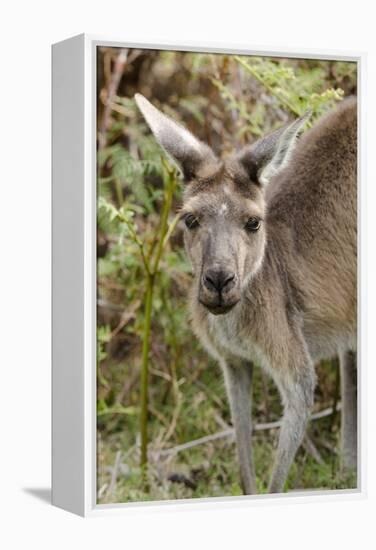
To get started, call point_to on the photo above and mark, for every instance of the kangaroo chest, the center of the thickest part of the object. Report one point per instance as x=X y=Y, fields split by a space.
x=228 y=333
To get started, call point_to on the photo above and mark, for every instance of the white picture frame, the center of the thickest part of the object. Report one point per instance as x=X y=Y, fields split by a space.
x=74 y=277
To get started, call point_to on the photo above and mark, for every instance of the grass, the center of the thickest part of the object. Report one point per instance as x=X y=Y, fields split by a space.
x=211 y=470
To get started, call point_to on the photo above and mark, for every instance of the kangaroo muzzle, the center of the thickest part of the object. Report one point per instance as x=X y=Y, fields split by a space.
x=219 y=290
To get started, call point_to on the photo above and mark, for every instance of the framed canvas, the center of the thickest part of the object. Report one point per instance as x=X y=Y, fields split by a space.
x=208 y=284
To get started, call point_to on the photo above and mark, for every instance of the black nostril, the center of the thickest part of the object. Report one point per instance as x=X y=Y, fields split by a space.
x=218 y=280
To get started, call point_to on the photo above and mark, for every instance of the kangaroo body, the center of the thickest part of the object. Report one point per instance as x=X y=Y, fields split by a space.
x=272 y=236
x=308 y=274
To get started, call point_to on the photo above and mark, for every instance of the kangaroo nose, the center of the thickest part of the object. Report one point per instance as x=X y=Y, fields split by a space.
x=219 y=280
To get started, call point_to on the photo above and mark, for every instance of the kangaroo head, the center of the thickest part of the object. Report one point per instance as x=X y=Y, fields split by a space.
x=224 y=207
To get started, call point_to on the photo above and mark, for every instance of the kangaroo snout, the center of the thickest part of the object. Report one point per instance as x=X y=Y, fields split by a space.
x=219 y=290
x=219 y=280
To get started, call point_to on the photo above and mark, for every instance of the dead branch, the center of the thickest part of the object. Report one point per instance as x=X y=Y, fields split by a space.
x=312 y=450
x=108 y=305
x=120 y=62
x=230 y=433
x=114 y=474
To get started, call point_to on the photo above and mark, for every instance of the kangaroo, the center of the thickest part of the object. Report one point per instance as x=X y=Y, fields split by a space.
x=271 y=233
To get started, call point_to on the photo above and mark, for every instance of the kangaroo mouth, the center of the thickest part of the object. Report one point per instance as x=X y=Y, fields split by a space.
x=220 y=308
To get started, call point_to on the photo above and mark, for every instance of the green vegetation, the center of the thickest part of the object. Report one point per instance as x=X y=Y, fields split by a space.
x=157 y=388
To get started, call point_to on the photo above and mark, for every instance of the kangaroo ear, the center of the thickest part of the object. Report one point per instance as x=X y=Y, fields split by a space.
x=269 y=155
x=178 y=142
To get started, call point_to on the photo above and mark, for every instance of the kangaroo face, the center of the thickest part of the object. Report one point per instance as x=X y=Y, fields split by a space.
x=224 y=209
x=224 y=235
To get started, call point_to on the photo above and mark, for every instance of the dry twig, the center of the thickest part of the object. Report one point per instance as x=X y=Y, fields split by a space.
x=311 y=449
x=114 y=474
x=230 y=433
x=116 y=75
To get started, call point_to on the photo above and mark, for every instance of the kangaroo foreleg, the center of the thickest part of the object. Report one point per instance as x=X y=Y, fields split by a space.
x=297 y=390
x=238 y=380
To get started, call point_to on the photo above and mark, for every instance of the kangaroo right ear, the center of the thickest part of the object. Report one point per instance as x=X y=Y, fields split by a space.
x=178 y=142
x=269 y=155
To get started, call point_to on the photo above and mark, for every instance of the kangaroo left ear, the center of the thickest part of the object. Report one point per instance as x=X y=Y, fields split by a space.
x=269 y=155
x=188 y=152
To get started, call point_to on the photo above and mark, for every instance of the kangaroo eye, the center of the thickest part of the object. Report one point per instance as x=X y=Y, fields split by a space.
x=191 y=221
x=253 y=224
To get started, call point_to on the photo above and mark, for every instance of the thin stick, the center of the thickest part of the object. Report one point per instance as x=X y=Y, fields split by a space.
x=145 y=378
x=170 y=188
x=136 y=240
x=230 y=432
x=170 y=230
x=152 y=268
x=120 y=63
x=311 y=449
x=114 y=473
x=102 y=490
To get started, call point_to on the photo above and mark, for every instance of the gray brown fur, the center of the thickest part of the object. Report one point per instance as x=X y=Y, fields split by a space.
x=282 y=296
